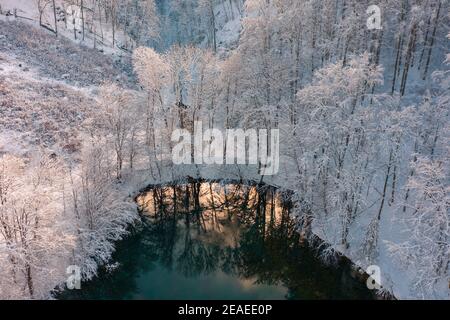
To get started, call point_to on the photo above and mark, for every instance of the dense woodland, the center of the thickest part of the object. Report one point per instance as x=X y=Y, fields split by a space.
x=363 y=118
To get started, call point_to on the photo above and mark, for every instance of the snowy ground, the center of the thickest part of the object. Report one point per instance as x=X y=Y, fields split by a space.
x=61 y=59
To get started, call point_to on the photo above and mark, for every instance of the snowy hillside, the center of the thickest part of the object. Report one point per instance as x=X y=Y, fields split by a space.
x=48 y=105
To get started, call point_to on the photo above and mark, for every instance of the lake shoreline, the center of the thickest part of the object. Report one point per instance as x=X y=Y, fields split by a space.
x=314 y=242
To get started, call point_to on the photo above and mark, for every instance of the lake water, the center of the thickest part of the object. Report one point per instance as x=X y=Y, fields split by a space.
x=206 y=240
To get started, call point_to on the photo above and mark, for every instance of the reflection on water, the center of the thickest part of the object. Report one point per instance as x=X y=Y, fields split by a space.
x=206 y=240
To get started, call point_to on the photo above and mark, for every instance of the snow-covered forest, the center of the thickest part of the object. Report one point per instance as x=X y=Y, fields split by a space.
x=89 y=101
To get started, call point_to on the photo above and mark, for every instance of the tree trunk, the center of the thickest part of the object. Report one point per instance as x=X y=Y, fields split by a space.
x=411 y=45
x=213 y=25
x=54 y=16
x=383 y=197
x=29 y=279
x=82 y=18
x=432 y=41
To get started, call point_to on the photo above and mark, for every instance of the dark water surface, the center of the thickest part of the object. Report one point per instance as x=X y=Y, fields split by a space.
x=205 y=240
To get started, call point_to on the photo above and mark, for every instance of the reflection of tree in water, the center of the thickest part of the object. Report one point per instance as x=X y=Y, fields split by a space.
x=242 y=230
x=198 y=225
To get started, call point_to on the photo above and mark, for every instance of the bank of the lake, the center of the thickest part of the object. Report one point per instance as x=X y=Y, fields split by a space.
x=212 y=240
